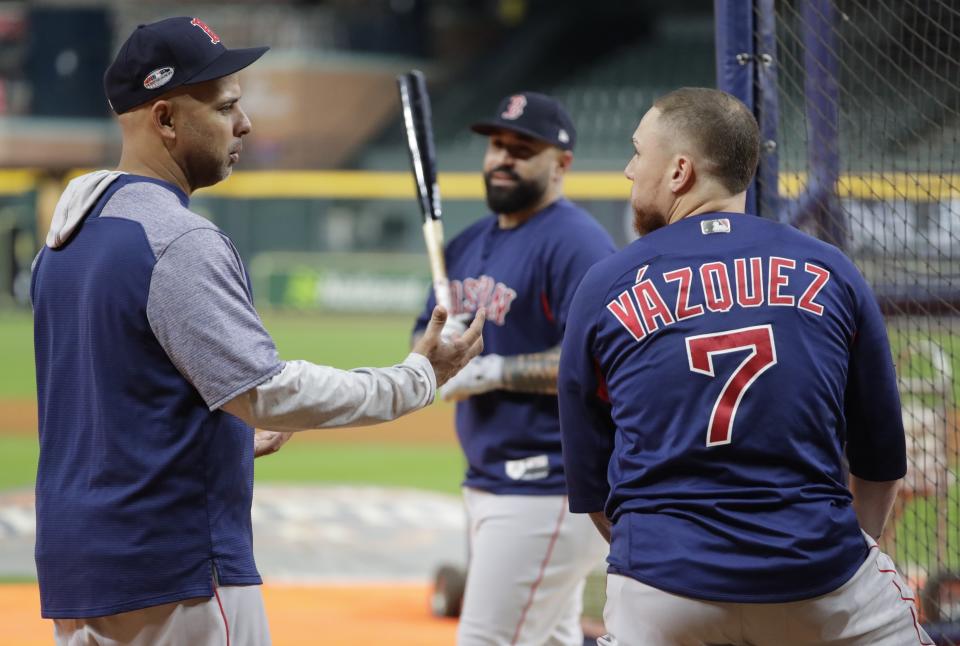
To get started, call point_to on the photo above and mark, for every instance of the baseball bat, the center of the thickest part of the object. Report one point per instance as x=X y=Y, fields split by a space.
x=415 y=104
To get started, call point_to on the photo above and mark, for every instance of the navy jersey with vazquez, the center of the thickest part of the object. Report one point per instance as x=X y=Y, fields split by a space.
x=525 y=278
x=742 y=358
x=143 y=487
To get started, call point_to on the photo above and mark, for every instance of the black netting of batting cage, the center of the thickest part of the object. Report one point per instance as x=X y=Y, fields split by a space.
x=859 y=106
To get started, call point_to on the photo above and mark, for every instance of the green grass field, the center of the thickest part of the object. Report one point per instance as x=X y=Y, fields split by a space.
x=17 y=379
x=341 y=341
x=420 y=466
x=18 y=460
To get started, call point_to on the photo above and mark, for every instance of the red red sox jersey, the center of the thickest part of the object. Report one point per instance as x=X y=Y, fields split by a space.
x=525 y=278
x=714 y=375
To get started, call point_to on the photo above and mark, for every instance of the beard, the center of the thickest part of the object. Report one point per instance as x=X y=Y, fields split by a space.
x=204 y=163
x=207 y=167
x=645 y=222
x=511 y=199
x=648 y=215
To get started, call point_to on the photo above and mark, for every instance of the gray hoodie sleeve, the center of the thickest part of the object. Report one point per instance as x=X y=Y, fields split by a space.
x=306 y=396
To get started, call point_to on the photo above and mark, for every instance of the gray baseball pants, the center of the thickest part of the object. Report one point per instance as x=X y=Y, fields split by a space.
x=235 y=615
x=874 y=608
x=529 y=558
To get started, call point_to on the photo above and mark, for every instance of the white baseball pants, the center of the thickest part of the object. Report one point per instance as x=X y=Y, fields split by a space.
x=529 y=558
x=874 y=608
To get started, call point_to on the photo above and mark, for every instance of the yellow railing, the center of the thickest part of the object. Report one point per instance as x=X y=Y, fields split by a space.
x=16 y=182
x=915 y=187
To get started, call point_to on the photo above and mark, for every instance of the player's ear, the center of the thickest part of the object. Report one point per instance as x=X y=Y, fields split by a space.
x=682 y=174
x=564 y=160
x=162 y=119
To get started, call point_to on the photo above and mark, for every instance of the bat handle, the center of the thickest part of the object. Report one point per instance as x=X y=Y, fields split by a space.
x=433 y=237
x=441 y=291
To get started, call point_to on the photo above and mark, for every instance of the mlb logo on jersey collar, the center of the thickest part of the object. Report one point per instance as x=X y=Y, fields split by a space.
x=719 y=225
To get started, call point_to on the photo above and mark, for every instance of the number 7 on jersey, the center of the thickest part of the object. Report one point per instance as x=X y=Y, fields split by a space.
x=763 y=354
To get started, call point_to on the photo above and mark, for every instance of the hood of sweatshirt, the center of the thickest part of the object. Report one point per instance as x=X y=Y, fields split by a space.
x=75 y=203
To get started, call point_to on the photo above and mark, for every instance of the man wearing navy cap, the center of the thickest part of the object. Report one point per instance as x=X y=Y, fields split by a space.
x=520 y=264
x=153 y=367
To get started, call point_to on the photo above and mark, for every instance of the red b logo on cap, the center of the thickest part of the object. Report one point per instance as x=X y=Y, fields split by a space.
x=515 y=109
x=196 y=22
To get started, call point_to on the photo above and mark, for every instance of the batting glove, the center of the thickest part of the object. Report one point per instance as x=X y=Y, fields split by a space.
x=481 y=375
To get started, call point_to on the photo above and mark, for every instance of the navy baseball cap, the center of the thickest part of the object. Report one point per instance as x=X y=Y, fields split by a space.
x=535 y=115
x=166 y=54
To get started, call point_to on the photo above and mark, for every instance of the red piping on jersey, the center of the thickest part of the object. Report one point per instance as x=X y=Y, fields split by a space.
x=602 y=393
x=546 y=307
x=226 y=625
x=911 y=600
x=543 y=569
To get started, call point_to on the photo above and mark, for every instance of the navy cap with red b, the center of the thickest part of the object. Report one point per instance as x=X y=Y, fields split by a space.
x=166 y=54
x=535 y=115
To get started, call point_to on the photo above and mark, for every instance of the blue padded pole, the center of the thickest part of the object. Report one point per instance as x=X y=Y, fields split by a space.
x=768 y=112
x=736 y=57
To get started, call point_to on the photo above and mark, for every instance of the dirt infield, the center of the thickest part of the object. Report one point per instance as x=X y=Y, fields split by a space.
x=433 y=424
x=299 y=616
x=18 y=415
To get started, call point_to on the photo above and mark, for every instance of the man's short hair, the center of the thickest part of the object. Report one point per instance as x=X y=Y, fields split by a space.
x=723 y=129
